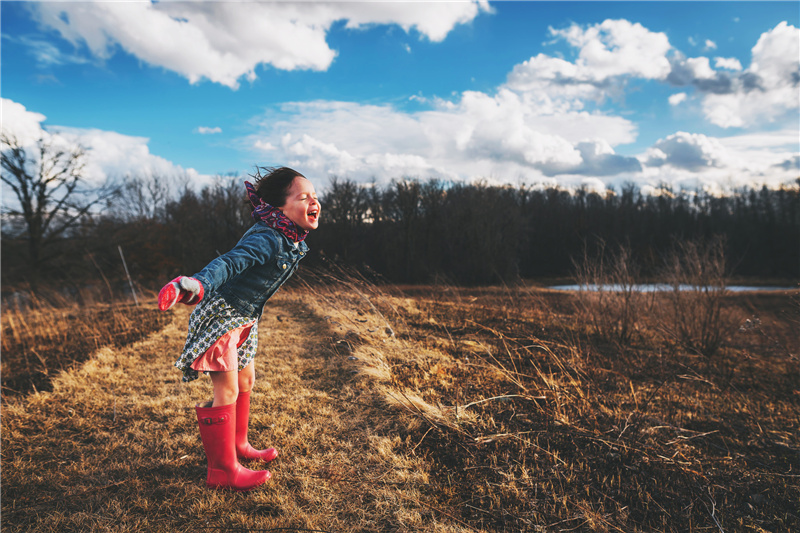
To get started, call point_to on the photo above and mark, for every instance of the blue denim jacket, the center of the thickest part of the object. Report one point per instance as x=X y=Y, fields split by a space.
x=248 y=275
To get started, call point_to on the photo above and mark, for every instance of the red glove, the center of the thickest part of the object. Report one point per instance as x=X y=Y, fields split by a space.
x=182 y=289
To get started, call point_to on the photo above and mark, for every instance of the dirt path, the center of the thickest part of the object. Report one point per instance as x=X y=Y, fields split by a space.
x=115 y=447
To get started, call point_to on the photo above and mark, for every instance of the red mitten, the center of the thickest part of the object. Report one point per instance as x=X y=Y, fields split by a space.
x=182 y=289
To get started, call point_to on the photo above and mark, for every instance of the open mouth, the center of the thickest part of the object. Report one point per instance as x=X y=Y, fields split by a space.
x=312 y=215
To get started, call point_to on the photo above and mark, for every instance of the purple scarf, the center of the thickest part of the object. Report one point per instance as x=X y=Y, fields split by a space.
x=274 y=217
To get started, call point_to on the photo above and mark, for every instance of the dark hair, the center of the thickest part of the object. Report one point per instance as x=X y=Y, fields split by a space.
x=273 y=184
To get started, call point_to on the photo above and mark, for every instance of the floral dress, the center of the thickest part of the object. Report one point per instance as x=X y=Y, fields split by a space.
x=212 y=320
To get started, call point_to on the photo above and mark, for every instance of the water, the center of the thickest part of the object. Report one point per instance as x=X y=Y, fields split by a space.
x=663 y=287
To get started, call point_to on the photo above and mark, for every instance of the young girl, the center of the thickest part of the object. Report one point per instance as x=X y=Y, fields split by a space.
x=223 y=329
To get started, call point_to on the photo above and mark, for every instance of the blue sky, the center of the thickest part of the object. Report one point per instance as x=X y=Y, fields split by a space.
x=694 y=94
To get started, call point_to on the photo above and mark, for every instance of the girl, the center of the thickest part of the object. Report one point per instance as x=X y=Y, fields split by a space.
x=223 y=329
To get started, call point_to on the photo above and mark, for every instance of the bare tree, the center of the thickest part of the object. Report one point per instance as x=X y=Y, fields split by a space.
x=52 y=194
x=146 y=197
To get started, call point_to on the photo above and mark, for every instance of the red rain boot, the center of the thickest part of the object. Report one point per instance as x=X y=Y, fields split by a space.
x=217 y=430
x=243 y=448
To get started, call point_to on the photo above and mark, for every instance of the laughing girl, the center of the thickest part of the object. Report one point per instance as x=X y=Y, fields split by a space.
x=223 y=329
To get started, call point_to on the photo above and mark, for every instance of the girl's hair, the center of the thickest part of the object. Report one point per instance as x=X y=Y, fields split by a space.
x=273 y=184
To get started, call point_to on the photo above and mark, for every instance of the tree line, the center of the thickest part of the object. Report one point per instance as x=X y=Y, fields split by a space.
x=58 y=231
x=472 y=233
x=414 y=231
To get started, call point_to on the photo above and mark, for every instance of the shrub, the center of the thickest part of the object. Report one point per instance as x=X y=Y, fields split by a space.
x=696 y=271
x=608 y=295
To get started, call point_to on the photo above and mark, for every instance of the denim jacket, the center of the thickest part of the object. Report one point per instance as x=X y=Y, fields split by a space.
x=248 y=275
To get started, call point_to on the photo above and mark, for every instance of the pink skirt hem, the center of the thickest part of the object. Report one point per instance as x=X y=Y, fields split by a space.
x=223 y=356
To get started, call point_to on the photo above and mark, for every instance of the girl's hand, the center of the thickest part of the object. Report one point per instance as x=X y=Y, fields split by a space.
x=182 y=289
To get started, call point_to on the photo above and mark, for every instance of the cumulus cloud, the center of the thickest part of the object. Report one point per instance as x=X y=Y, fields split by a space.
x=765 y=92
x=608 y=53
x=764 y=153
x=108 y=155
x=616 y=48
x=225 y=41
x=688 y=151
x=113 y=155
x=697 y=71
x=204 y=130
x=21 y=124
x=677 y=98
x=729 y=63
x=478 y=135
x=792 y=163
x=597 y=158
x=721 y=165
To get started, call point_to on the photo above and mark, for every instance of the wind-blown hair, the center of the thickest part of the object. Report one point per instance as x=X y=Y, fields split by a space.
x=273 y=184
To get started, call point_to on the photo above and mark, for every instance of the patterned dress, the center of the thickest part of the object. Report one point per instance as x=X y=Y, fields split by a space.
x=211 y=320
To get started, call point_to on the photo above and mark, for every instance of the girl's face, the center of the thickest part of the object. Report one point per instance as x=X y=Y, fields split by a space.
x=302 y=206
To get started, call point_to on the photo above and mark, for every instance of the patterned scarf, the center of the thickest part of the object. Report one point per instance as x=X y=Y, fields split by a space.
x=274 y=217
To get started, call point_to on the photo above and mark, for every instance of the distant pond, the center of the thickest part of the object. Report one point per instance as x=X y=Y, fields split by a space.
x=662 y=287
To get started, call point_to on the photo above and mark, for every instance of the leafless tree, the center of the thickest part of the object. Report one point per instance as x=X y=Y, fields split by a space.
x=51 y=193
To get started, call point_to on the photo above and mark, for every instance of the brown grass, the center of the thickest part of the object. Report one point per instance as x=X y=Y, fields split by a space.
x=427 y=409
x=44 y=338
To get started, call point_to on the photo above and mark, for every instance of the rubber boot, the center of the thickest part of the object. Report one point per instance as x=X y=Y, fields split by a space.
x=243 y=448
x=217 y=430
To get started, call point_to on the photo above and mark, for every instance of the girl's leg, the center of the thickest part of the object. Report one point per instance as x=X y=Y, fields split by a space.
x=247 y=377
x=243 y=448
x=226 y=387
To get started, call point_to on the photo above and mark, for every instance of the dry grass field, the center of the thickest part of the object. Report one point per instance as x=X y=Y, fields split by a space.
x=434 y=409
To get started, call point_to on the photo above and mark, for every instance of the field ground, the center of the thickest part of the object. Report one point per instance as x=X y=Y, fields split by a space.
x=425 y=409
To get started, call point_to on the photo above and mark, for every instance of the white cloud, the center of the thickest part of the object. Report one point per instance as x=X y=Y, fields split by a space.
x=767 y=91
x=608 y=54
x=23 y=125
x=697 y=71
x=204 y=130
x=617 y=48
x=688 y=151
x=434 y=20
x=225 y=41
x=700 y=68
x=762 y=152
x=263 y=146
x=677 y=98
x=114 y=155
x=728 y=63
x=477 y=135
x=710 y=45
x=108 y=155
x=721 y=165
